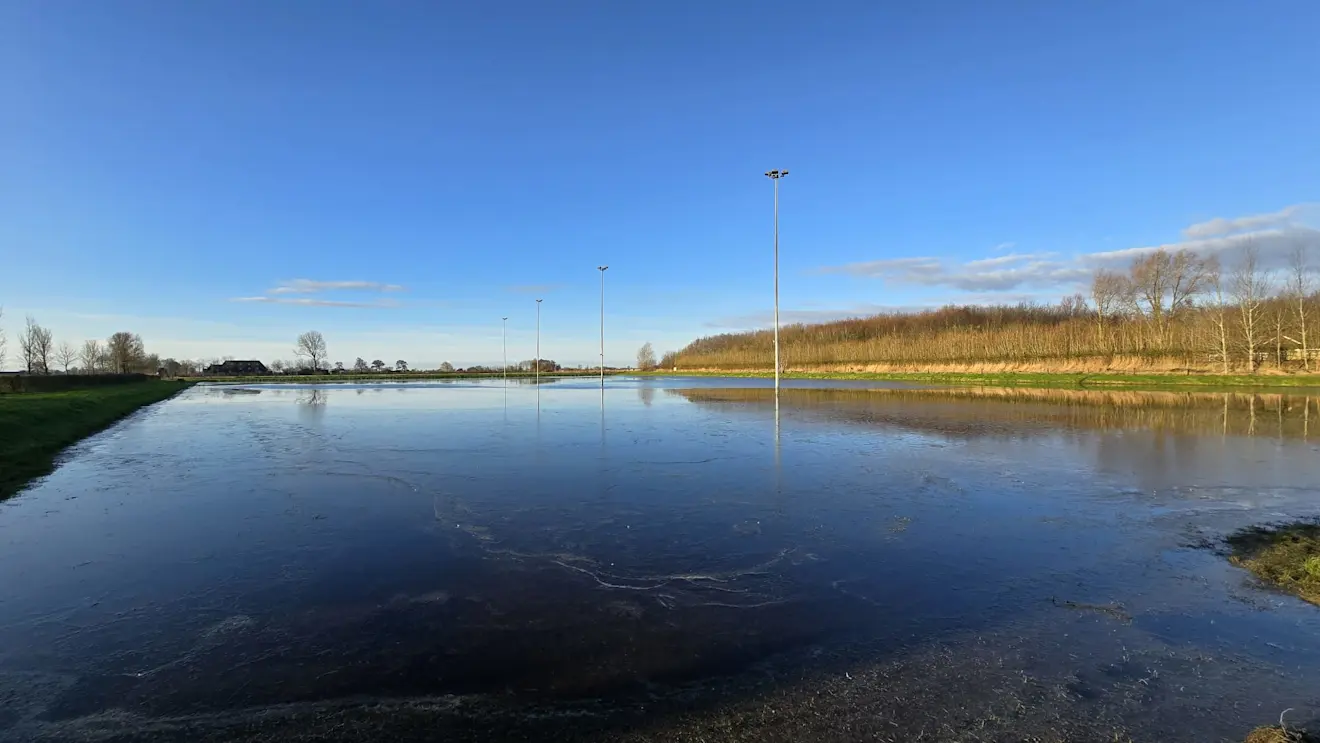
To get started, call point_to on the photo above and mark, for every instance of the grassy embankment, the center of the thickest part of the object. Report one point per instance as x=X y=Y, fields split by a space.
x=1039 y=379
x=36 y=426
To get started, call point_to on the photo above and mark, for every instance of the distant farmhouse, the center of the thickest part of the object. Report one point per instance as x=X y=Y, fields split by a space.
x=237 y=369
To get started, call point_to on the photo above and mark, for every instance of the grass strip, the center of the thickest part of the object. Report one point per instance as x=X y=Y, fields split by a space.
x=36 y=426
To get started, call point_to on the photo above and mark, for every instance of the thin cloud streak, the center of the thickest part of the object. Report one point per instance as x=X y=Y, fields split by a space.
x=1001 y=273
x=766 y=318
x=532 y=288
x=309 y=302
x=310 y=286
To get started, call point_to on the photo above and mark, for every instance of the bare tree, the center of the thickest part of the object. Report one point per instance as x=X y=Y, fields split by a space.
x=277 y=366
x=1250 y=286
x=446 y=367
x=312 y=345
x=1299 y=289
x=1219 y=314
x=65 y=355
x=646 y=357
x=90 y=356
x=35 y=345
x=361 y=365
x=1164 y=284
x=45 y=347
x=1110 y=293
x=125 y=352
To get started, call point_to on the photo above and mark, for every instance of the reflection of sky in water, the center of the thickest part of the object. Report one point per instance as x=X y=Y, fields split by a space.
x=250 y=543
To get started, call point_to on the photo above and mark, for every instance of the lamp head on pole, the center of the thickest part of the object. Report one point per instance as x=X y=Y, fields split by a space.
x=776 y=174
x=538 y=301
x=601 y=268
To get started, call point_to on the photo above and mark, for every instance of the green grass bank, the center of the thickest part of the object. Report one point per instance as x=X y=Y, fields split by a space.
x=1044 y=379
x=36 y=426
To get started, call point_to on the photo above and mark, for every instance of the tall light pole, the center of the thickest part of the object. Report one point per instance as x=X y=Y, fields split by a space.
x=538 y=343
x=775 y=175
x=506 y=350
x=602 y=270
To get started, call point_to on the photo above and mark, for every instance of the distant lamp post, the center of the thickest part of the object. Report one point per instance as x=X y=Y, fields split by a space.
x=506 y=350
x=602 y=270
x=775 y=175
x=538 y=343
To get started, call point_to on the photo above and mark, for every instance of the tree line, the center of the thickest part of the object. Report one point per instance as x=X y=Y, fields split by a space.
x=311 y=356
x=38 y=353
x=1168 y=308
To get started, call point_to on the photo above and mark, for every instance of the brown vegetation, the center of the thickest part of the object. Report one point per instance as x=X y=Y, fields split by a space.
x=1170 y=312
x=1277 y=734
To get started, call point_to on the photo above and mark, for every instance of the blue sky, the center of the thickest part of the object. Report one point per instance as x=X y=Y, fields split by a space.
x=220 y=176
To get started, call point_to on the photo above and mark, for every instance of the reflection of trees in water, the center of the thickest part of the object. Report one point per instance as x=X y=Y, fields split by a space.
x=646 y=394
x=992 y=411
x=311 y=404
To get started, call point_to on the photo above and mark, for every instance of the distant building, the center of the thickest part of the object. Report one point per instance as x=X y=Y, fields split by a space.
x=1312 y=354
x=237 y=369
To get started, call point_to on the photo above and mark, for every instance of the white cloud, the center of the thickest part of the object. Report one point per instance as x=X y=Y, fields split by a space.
x=309 y=286
x=309 y=302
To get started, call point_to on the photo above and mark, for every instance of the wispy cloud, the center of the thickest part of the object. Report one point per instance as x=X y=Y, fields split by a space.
x=1000 y=273
x=310 y=286
x=1004 y=260
x=765 y=318
x=310 y=302
x=280 y=293
x=532 y=288
x=1220 y=226
x=1273 y=246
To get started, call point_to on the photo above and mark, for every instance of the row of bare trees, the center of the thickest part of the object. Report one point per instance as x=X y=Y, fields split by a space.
x=1249 y=306
x=1169 y=309
x=38 y=353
